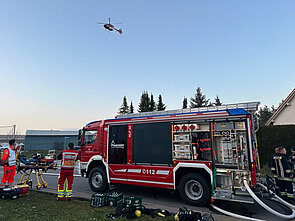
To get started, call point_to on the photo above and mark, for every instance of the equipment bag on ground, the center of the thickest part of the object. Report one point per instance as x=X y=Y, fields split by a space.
x=114 y=199
x=187 y=215
x=99 y=200
x=133 y=201
x=10 y=193
x=24 y=188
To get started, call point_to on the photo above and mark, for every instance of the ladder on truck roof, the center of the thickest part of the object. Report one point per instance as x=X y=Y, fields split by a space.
x=251 y=107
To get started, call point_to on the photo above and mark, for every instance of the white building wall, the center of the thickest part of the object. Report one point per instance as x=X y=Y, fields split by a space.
x=287 y=115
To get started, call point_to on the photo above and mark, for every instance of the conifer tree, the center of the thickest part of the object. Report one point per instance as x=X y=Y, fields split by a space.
x=199 y=100
x=152 y=106
x=217 y=101
x=160 y=105
x=144 y=103
x=131 y=108
x=124 y=109
x=184 y=103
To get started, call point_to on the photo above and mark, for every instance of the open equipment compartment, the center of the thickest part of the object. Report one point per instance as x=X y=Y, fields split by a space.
x=231 y=146
x=191 y=141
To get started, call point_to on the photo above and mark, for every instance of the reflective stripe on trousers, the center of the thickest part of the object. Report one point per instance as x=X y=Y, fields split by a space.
x=65 y=182
x=68 y=193
x=60 y=193
x=283 y=194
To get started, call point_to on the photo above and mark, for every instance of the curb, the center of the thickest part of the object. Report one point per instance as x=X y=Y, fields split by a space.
x=55 y=194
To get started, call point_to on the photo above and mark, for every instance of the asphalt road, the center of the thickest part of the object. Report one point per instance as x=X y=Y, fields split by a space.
x=160 y=198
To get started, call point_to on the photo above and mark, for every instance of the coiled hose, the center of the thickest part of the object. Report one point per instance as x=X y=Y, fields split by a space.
x=267 y=207
x=279 y=199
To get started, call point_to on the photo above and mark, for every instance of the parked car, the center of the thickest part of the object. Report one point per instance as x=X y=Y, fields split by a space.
x=51 y=154
x=20 y=147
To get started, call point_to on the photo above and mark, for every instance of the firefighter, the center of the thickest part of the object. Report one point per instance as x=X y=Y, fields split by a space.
x=283 y=174
x=9 y=161
x=69 y=157
x=292 y=158
x=276 y=179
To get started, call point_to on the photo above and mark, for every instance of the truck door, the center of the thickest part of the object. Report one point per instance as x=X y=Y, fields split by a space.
x=117 y=151
x=90 y=141
x=117 y=144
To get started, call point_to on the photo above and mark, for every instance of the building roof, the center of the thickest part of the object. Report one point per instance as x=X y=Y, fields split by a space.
x=280 y=108
x=52 y=133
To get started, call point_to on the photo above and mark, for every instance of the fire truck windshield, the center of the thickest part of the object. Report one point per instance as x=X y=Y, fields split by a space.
x=90 y=136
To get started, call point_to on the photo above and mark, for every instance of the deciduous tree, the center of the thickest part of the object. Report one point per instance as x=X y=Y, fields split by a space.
x=264 y=114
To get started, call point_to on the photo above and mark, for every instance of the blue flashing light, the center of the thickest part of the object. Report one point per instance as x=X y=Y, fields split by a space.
x=91 y=123
x=239 y=111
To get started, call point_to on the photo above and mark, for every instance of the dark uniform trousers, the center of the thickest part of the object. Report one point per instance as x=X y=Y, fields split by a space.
x=282 y=174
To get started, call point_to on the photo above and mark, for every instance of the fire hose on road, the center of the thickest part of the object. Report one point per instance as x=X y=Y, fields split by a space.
x=261 y=203
x=292 y=216
x=234 y=214
x=277 y=198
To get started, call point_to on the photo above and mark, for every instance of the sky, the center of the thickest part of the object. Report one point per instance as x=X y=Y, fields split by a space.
x=59 y=69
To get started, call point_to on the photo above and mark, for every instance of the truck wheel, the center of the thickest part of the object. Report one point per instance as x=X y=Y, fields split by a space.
x=194 y=189
x=97 y=179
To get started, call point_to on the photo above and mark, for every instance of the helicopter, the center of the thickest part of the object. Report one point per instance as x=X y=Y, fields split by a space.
x=110 y=27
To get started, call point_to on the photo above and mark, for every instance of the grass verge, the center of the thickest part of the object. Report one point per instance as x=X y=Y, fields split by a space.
x=40 y=206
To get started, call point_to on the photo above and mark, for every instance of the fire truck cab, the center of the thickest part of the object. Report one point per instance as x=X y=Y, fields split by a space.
x=203 y=152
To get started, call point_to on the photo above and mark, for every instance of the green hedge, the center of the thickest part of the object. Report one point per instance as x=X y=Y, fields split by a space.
x=270 y=137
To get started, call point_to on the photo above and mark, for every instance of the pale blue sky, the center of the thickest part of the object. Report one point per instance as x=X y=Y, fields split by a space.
x=59 y=69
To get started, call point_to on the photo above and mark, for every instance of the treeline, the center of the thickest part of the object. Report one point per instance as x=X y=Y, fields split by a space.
x=147 y=103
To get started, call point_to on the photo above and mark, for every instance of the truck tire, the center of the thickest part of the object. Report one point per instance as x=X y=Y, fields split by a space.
x=194 y=189
x=97 y=179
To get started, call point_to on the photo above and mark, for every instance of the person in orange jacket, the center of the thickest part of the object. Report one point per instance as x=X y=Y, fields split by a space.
x=69 y=157
x=9 y=161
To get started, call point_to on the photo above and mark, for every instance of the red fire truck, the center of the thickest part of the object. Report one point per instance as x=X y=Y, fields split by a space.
x=203 y=152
